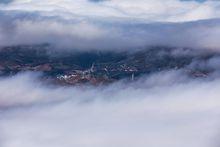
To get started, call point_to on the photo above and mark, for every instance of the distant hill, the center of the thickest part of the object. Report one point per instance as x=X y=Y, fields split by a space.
x=99 y=67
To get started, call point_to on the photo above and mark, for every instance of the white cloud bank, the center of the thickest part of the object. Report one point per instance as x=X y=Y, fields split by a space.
x=115 y=25
x=149 y=10
x=162 y=110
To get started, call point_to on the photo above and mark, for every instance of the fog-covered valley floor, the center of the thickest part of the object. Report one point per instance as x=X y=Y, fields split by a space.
x=164 y=109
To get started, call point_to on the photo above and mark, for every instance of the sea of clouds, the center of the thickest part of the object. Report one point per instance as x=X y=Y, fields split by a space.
x=112 y=24
x=165 y=109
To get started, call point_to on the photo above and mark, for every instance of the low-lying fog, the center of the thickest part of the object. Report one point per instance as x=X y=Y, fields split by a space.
x=164 y=109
